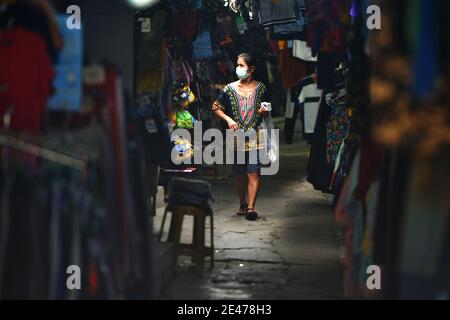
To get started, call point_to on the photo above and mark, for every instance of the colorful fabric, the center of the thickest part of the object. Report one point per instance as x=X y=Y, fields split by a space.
x=243 y=110
x=338 y=123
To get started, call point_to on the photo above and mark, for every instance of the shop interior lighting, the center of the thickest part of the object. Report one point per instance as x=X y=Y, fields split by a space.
x=142 y=3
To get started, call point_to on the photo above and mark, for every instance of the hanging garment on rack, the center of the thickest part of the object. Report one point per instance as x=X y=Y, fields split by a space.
x=31 y=17
x=150 y=30
x=292 y=70
x=226 y=28
x=309 y=97
x=328 y=23
x=338 y=123
x=319 y=170
x=154 y=133
x=326 y=69
x=291 y=114
x=202 y=46
x=62 y=222
x=277 y=12
x=182 y=71
x=25 y=78
x=302 y=51
x=425 y=231
x=185 y=23
x=394 y=181
x=290 y=29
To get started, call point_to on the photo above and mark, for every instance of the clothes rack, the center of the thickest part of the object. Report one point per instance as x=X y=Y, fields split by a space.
x=44 y=153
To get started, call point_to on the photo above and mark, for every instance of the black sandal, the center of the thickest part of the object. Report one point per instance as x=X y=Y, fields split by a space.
x=242 y=209
x=251 y=215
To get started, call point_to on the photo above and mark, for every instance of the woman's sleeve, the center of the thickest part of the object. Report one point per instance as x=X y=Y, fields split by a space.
x=221 y=102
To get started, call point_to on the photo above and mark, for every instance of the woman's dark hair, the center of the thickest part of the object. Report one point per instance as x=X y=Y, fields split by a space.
x=248 y=58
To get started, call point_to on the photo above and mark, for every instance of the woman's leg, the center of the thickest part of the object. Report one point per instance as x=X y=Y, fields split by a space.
x=253 y=188
x=240 y=187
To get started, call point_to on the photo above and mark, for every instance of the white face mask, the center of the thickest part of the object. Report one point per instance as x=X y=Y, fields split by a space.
x=242 y=73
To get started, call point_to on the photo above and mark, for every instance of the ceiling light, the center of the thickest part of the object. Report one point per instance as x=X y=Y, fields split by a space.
x=142 y=3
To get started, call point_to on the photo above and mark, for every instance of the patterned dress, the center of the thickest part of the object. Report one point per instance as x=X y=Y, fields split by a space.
x=243 y=110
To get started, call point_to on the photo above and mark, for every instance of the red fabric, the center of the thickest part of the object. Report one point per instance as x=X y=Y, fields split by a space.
x=25 y=78
x=293 y=70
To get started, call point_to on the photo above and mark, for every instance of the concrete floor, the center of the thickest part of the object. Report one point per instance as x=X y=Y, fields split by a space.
x=292 y=252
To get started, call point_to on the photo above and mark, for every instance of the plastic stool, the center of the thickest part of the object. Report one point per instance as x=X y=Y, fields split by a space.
x=198 y=249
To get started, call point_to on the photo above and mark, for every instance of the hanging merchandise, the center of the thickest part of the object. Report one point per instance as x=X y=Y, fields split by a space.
x=302 y=51
x=293 y=30
x=184 y=119
x=23 y=52
x=202 y=46
x=182 y=95
x=184 y=149
x=424 y=237
x=319 y=169
x=326 y=32
x=36 y=18
x=292 y=70
x=337 y=126
x=426 y=54
x=226 y=28
x=150 y=30
x=182 y=71
x=309 y=98
x=277 y=12
x=291 y=114
x=68 y=81
x=241 y=25
x=154 y=132
x=327 y=63
x=185 y=22
x=63 y=220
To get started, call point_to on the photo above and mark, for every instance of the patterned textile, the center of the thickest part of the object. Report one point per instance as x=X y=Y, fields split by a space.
x=243 y=110
x=338 y=123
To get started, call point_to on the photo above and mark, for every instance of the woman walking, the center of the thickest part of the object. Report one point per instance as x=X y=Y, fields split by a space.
x=239 y=105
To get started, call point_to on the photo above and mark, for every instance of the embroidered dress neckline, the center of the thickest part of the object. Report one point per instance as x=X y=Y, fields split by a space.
x=234 y=87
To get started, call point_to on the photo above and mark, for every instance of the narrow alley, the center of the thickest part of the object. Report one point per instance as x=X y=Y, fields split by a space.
x=115 y=117
x=291 y=252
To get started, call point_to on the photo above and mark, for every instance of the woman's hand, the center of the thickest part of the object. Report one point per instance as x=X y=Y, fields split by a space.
x=232 y=124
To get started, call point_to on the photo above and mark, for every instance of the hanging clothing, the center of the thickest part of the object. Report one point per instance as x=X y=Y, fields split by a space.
x=150 y=54
x=294 y=28
x=291 y=115
x=185 y=23
x=338 y=123
x=26 y=73
x=425 y=232
x=319 y=169
x=302 y=51
x=328 y=23
x=309 y=97
x=326 y=69
x=202 y=46
x=292 y=70
x=29 y=16
x=277 y=12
